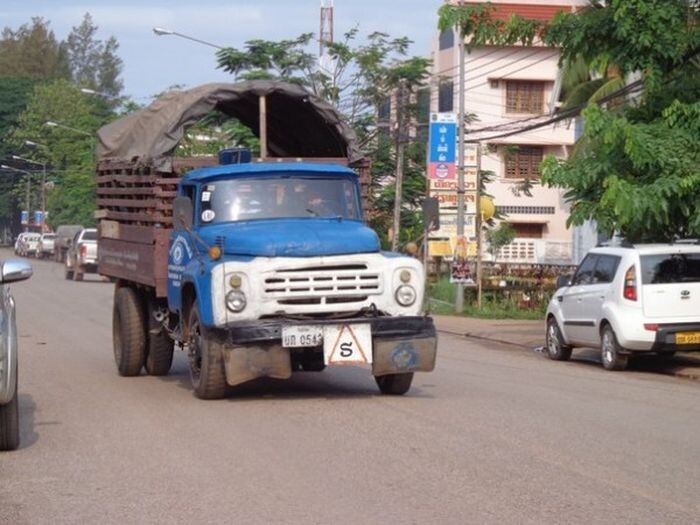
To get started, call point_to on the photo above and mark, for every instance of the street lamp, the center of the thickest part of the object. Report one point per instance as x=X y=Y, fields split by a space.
x=159 y=31
x=29 y=177
x=52 y=124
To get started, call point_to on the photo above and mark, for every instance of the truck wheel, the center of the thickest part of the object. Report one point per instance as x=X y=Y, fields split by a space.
x=206 y=360
x=556 y=349
x=159 y=350
x=69 y=274
x=128 y=332
x=611 y=351
x=9 y=422
x=394 y=384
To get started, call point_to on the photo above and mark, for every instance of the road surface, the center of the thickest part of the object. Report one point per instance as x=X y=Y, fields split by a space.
x=494 y=435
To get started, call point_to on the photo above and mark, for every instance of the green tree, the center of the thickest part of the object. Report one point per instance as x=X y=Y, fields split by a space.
x=636 y=169
x=499 y=237
x=94 y=64
x=33 y=51
x=69 y=155
x=637 y=172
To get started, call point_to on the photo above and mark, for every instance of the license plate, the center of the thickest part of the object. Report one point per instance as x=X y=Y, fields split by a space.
x=301 y=336
x=347 y=344
x=688 y=338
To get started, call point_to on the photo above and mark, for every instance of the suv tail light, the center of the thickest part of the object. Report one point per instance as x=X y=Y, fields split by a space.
x=83 y=250
x=630 y=289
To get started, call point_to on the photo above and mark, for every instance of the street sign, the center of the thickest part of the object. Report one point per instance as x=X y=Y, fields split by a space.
x=431 y=214
x=24 y=217
x=442 y=152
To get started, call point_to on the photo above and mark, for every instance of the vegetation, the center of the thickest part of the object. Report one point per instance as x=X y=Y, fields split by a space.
x=499 y=237
x=635 y=170
x=40 y=80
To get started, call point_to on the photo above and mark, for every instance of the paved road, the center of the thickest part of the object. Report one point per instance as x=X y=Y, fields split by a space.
x=494 y=435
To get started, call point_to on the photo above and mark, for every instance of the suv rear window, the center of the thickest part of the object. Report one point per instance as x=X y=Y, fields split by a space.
x=671 y=268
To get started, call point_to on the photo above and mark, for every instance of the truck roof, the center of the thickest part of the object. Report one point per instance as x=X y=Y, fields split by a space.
x=228 y=170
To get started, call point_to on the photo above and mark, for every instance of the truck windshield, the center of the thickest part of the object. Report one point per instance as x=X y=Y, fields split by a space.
x=283 y=197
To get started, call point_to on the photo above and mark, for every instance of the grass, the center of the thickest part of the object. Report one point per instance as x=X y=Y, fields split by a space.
x=498 y=305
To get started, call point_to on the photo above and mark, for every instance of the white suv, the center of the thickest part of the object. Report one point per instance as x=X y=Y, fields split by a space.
x=627 y=299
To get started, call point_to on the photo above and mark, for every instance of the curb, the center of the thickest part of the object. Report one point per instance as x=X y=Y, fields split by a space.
x=691 y=374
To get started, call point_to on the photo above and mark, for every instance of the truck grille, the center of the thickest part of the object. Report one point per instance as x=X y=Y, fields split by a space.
x=323 y=285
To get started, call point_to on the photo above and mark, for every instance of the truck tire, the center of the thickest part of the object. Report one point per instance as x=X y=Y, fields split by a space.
x=159 y=348
x=206 y=360
x=128 y=332
x=68 y=274
x=9 y=422
x=394 y=384
x=77 y=274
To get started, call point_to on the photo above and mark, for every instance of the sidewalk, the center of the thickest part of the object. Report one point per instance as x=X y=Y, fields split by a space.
x=528 y=335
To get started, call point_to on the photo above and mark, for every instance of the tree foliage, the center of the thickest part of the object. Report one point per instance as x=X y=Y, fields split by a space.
x=69 y=155
x=499 y=237
x=33 y=51
x=94 y=63
x=635 y=170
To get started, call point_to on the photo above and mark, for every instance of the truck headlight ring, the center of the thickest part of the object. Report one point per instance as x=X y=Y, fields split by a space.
x=236 y=301
x=405 y=295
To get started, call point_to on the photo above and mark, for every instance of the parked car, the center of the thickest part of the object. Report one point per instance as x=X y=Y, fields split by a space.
x=64 y=236
x=629 y=299
x=82 y=254
x=10 y=271
x=46 y=245
x=18 y=242
x=30 y=245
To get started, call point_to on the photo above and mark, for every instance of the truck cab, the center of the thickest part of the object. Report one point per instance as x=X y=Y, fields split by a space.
x=275 y=260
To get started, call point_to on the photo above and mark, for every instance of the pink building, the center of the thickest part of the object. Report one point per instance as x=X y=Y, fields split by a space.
x=503 y=87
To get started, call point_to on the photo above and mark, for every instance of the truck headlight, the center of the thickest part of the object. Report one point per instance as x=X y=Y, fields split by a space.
x=405 y=295
x=236 y=301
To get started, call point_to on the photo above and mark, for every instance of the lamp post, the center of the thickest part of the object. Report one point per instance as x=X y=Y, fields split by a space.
x=159 y=31
x=43 y=182
x=29 y=176
x=52 y=124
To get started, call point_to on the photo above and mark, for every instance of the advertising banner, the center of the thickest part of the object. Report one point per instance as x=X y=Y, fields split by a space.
x=442 y=150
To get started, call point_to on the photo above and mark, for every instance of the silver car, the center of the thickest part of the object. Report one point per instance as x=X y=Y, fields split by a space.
x=10 y=271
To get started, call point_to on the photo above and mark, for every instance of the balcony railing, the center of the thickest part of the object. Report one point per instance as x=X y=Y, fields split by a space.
x=535 y=251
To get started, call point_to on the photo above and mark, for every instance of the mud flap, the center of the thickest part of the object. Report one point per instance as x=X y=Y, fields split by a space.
x=245 y=363
x=397 y=356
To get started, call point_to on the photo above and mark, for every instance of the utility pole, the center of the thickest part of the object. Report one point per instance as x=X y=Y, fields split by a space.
x=478 y=222
x=400 y=151
x=459 y=300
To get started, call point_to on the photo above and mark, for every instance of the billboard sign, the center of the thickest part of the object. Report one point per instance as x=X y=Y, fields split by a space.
x=442 y=150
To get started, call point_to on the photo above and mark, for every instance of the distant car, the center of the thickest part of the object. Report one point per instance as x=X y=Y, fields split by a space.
x=30 y=245
x=629 y=299
x=10 y=271
x=64 y=236
x=18 y=242
x=82 y=255
x=46 y=245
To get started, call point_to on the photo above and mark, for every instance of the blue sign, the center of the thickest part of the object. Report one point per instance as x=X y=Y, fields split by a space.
x=24 y=217
x=38 y=217
x=442 y=151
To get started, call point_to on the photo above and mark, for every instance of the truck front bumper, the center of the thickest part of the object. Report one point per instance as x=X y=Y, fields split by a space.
x=399 y=344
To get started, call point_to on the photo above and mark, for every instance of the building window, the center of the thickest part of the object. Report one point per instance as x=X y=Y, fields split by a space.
x=527 y=230
x=445 y=96
x=523 y=163
x=524 y=97
x=447 y=39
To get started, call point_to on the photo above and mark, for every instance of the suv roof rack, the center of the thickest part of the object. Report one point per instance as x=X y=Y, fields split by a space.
x=685 y=241
x=615 y=243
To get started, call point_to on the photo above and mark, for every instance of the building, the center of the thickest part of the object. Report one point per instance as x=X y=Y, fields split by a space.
x=505 y=89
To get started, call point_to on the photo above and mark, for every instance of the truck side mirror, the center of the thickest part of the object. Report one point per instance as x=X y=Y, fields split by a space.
x=182 y=213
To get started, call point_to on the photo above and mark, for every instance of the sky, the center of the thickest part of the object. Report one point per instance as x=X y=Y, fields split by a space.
x=153 y=63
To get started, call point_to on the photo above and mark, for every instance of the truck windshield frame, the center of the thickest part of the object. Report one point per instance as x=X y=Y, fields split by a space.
x=281 y=196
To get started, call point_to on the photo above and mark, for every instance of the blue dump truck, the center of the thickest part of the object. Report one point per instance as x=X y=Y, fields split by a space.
x=255 y=267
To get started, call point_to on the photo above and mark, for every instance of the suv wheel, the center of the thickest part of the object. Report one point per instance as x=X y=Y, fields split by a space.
x=556 y=349
x=611 y=352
